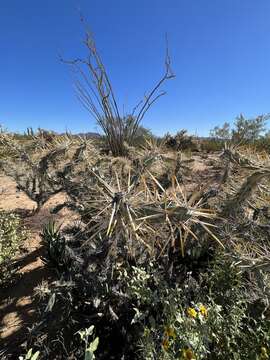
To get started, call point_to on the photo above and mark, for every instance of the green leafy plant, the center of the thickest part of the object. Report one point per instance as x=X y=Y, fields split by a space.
x=55 y=245
x=30 y=355
x=90 y=347
x=12 y=235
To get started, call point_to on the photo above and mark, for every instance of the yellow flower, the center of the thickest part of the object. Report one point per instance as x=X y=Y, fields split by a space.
x=165 y=344
x=264 y=353
x=170 y=332
x=203 y=310
x=192 y=312
x=188 y=354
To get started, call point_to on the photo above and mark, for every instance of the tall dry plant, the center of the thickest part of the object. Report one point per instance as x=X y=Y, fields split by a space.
x=96 y=93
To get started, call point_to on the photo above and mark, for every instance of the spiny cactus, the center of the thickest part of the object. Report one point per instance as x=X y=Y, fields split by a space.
x=245 y=192
x=55 y=244
x=40 y=173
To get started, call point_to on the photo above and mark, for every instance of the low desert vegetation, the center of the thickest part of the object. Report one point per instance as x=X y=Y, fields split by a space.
x=154 y=268
x=164 y=262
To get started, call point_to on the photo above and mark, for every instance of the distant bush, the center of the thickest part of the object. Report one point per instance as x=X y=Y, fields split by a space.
x=142 y=134
x=140 y=139
x=12 y=234
x=211 y=145
x=263 y=144
x=217 y=144
x=180 y=142
x=244 y=131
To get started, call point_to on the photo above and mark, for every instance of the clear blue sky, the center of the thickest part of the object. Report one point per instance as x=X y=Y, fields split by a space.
x=220 y=52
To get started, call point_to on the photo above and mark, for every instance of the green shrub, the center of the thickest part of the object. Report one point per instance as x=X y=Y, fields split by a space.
x=194 y=321
x=181 y=141
x=156 y=317
x=12 y=234
x=211 y=145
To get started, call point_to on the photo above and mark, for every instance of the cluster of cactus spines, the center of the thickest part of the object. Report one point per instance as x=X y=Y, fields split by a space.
x=245 y=192
x=258 y=170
